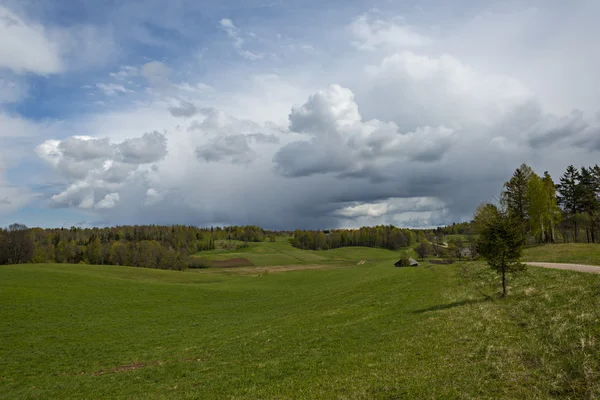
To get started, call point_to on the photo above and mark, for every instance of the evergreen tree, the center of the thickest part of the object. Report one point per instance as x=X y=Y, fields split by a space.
x=553 y=214
x=587 y=192
x=501 y=243
x=569 y=196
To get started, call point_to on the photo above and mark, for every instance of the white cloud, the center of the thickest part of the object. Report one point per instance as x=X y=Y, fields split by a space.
x=27 y=46
x=439 y=90
x=364 y=210
x=12 y=125
x=194 y=88
x=125 y=72
x=372 y=33
x=109 y=201
x=110 y=89
x=238 y=41
x=96 y=169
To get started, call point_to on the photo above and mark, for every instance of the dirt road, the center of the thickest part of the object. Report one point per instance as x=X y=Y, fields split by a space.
x=572 y=267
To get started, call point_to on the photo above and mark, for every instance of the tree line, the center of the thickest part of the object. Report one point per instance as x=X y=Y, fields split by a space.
x=387 y=237
x=150 y=246
x=548 y=212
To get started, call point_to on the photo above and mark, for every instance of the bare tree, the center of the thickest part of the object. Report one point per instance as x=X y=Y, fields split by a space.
x=422 y=250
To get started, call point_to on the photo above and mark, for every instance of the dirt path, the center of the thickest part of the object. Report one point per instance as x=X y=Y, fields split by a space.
x=572 y=267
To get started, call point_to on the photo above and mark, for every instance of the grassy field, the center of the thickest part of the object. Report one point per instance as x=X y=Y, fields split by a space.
x=367 y=331
x=576 y=253
x=282 y=253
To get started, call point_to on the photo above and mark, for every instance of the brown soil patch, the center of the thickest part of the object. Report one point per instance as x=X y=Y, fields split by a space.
x=258 y=271
x=232 y=262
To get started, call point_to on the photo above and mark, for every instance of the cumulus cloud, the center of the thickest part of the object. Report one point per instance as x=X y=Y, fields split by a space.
x=97 y=169
x=109 y=201
x=342 y=142
x=151 y=147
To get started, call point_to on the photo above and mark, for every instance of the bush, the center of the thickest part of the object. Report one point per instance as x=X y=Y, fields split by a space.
x=403 y=262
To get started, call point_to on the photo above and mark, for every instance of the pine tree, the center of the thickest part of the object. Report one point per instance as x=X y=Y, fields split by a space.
x=553 y=214
x=501 y=243
x=569 y=196
x=589 y=206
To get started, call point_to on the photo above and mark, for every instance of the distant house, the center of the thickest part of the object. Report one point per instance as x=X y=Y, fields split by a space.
x=466 y=252
x=403 y=262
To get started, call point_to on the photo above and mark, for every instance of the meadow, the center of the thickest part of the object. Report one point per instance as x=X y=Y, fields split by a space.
x=344 y=330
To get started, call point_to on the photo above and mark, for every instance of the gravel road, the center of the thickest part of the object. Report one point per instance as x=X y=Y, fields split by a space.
x=572 y=267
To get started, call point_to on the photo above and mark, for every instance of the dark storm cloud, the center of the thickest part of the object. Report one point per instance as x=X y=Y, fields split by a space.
x=299 y=159
x=552 y=129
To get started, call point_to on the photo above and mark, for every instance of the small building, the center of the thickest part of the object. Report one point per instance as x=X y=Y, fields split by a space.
x=466 y=252
x=403 y=262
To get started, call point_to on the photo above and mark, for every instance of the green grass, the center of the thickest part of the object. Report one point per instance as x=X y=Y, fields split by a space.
x=282 y=253
x=367 y=331
x=576 y=253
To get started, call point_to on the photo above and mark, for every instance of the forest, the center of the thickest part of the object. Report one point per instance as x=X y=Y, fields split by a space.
x=150 y=246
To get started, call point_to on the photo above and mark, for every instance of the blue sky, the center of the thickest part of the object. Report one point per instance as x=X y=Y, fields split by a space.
x=287 y=114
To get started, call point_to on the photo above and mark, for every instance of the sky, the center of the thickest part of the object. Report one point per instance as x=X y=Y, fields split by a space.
x=288 y=114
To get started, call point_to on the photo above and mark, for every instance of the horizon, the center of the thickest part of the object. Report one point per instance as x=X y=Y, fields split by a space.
x=303 y=115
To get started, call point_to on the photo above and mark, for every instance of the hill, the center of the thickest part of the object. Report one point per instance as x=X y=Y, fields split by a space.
x=281 y=253
x=368 y=331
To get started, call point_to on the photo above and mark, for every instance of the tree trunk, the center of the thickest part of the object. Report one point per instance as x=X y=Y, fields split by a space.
x=543 y=231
